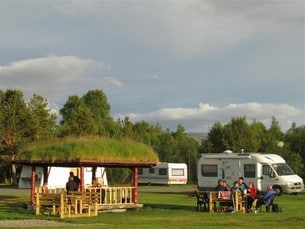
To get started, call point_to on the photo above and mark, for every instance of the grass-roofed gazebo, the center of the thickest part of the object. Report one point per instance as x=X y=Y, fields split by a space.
x=86 y=152
x=89 y=151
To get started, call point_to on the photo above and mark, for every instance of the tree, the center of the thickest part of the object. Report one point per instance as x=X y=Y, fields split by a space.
x=237 y=135
x=166 y=150
x=214 y=143
x=77 y=119
x=96 y=101
x=43 y=121
x=295 y=140
x=258 y=131
x=272 y=137
x=14 y=124
x=127 y=128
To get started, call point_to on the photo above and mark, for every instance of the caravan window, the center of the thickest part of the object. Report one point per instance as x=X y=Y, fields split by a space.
x=162 y=171
x=267 y=170
x=151 y=170
x=209 y=170
x=249 y=170
x=177 y=172
x=140 y=171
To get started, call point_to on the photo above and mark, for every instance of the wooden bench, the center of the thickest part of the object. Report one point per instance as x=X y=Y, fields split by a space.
x=224 y=198
x=75 y=204
x=80 y=204
x=50 y=203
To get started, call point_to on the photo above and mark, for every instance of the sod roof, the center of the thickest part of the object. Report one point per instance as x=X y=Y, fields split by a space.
x=88 y=152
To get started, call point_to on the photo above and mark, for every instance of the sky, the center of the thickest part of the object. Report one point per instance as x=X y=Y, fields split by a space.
x=174 y=62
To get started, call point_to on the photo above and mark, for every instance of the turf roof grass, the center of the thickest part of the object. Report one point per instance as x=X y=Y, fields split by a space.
x=99 y=149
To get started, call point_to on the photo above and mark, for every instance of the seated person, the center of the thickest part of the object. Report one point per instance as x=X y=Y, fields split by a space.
x=220 y=186
x=242 y=185
x=71 y=185
x=267 y=199
x=251 y=194
x=226 y=185
x=235 y=187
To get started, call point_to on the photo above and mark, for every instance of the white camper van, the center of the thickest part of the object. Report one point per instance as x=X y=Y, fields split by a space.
x=262 y=169
x=163 y=173
x=58 y=176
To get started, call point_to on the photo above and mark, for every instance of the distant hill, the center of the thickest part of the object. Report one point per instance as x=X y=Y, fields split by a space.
x=197 y=136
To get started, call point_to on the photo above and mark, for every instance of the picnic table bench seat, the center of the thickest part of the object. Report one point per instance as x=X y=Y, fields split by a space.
x=74 y=204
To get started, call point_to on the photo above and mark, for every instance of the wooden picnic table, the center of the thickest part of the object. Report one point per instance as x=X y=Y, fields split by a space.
x=225 y=198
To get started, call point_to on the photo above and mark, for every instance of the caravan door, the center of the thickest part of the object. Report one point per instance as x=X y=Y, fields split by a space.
x=229 y=169
x=268 y=177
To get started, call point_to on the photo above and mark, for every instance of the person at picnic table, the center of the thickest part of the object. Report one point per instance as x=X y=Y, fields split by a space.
x=226 y=185
x=235 y=186
x=251 y=194
x=220 y=186
x=267 y=199
x=242 y=185
x=75 y=178
x=71 y=185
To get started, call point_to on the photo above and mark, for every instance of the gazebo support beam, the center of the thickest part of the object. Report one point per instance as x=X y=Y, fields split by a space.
x=93 y=178
x=45 y=178
x=135 y=184
x=82 y=178
x=33 y=182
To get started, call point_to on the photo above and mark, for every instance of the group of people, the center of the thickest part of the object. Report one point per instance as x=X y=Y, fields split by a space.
x=249 y=192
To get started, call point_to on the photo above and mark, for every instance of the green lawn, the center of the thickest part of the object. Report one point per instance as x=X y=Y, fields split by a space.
x=171 y=210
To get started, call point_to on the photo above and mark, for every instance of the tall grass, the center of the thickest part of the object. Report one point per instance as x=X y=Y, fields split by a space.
x=102 y=149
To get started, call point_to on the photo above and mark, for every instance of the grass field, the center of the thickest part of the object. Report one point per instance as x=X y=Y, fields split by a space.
x=168 y=209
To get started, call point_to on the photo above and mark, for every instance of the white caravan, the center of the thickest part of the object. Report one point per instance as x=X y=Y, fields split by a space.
x=163 y=173
x=262 y=169
x=58 y=176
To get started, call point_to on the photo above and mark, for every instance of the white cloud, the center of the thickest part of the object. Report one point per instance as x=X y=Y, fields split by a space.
x=203 y=117
x=55 y=77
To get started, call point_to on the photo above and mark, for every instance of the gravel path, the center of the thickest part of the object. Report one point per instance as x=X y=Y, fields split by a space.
x=33 y=223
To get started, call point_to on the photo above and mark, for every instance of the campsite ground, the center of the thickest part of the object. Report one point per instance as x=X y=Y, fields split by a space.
x=164 y=207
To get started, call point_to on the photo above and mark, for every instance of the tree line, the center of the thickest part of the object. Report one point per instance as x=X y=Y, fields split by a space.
x=89 y=115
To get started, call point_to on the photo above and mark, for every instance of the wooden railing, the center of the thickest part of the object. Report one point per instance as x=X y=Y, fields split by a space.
x=113 y=195
x=108 y=197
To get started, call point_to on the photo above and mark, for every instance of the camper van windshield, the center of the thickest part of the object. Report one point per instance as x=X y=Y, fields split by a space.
x=283 y=169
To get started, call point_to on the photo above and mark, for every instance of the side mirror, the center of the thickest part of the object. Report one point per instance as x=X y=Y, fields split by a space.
x=272 y=175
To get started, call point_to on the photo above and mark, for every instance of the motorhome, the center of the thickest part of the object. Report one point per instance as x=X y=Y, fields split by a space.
x=163 y=173
x=262 y=169
x=58 y=176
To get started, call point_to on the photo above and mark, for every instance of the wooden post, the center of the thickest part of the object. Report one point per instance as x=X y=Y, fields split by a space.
x=33 y=183
x=62 y=206
x=45 y=178
x=135 y=184
x=93 y=181
x=82 y=177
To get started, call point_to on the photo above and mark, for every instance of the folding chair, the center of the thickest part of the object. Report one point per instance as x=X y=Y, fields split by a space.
x=201 y=200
